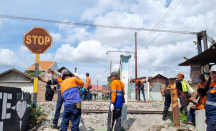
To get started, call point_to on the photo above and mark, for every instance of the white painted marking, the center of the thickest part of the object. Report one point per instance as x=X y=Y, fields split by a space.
x=22 y=96
x=0 y=95
x=20 y=125
x=1 y=126
x=14 y=107
x=9 y=96
x=4 y=106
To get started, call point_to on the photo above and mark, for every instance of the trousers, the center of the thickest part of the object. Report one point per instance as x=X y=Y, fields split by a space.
x=49 y=93
x=211 y=126
x=116 y=117
x=167 y=103
x=138 y=92
x=58 y=107
x=183 y=103
x=70 y=110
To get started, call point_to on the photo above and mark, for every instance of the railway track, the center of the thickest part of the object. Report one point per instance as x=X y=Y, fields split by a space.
x=128 y=112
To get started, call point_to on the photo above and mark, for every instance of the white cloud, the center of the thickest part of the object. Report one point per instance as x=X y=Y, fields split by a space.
x=56 y=36
x=77 y=34
x=86 y=52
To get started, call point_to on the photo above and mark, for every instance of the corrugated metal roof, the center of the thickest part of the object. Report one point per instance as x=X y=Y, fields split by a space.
x=204 y=58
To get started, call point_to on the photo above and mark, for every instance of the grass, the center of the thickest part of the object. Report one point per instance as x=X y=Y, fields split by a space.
x=183 y=118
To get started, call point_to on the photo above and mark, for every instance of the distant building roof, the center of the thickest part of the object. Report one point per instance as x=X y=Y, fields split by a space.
x=204 y=58
x=158 y=75
x=43 y=66
x=62 y=68
x=17 y=71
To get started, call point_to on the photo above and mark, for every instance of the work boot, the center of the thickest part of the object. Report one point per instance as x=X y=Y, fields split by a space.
x=54 y=125
x=164 y=117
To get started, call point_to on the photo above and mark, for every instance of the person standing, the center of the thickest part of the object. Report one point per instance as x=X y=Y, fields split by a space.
x=116 y=104
x=140 y=86
x=49 y=80
x=167 y=94
x=88 y=83
x=210 y=107
x=59 y=103
x=72 y=101
x=183 y=93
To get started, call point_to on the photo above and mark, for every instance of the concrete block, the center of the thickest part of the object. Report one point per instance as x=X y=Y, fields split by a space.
x=200 y=120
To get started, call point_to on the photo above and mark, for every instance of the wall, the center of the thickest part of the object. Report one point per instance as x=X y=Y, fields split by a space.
x=158 y=80
x=25 y=86
x=41 y=92
x=55 y=66
x=13 y=76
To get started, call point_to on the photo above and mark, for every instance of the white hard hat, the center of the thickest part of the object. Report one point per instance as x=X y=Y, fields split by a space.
x=213 y=68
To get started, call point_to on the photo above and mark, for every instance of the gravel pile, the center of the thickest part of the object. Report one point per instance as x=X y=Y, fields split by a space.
x=98 y=122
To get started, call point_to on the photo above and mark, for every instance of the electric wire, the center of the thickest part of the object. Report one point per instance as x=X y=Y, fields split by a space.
x=93 y=25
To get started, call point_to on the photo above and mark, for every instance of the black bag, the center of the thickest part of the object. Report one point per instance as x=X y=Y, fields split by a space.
x=90 y=86
x=123 y=98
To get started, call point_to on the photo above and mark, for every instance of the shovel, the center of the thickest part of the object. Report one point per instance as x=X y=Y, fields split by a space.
x=111 y=121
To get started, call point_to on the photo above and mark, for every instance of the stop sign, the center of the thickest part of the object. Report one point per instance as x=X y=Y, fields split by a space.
x=37 y=40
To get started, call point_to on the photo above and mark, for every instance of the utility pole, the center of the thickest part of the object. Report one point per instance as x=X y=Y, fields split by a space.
x=97 y=84
x=135 y=56
x=110 y=66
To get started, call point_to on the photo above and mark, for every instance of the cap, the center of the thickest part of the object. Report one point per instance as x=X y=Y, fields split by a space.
x=113 y=74
x=181 y=74
x=66 y=73
x=213 y=68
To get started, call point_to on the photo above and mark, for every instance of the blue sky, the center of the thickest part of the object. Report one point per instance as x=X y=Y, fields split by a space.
x=85 y=47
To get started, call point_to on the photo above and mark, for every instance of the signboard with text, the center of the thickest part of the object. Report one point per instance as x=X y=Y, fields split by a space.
x=37 y=40
x=14 y=109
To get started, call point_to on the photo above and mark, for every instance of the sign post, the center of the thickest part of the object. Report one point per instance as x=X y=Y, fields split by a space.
x=37 y=40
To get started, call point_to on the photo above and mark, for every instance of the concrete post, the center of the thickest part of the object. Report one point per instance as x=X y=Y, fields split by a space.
x=147 y=88
x=125 y=79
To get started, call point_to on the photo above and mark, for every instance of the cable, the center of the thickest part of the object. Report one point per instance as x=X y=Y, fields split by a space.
x=92 y=25
x=156 y=22
x=105 y=70
x=160 y=24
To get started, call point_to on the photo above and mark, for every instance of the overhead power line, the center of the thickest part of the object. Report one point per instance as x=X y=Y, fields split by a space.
x=93 y=25
x=169 y=13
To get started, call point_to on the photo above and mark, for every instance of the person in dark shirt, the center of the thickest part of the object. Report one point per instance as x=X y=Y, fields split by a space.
x=167 y=95
x=184 y=101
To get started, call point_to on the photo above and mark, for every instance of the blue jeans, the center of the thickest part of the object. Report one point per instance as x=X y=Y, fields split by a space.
x=58 y=109
x=70 y=110
x=138 y=92
x=211 y=125
x=87 y=94
x=191 y=115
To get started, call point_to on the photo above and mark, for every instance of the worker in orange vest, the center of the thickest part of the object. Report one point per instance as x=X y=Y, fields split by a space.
x=87 y=87
x=140 y=86
x=116 y=104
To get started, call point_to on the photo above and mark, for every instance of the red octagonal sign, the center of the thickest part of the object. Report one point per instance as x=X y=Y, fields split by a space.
x=37 y=40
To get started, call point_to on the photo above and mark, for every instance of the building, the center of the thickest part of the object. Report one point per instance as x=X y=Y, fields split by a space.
x=43 y=66
x=16 y=78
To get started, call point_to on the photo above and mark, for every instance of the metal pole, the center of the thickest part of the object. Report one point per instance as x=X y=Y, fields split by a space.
x=37 y=58
x=97 y=84
x=135 y=55
x=147 y=88
x=175 y=107
x=110 y=66
x=205 y=45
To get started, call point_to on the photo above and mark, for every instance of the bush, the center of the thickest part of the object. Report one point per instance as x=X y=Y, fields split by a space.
x=37 y=116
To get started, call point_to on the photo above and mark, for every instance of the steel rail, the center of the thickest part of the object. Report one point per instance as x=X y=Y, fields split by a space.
x=128 y=111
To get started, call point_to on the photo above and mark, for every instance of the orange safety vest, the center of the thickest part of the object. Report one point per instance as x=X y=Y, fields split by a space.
x=59 y=81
